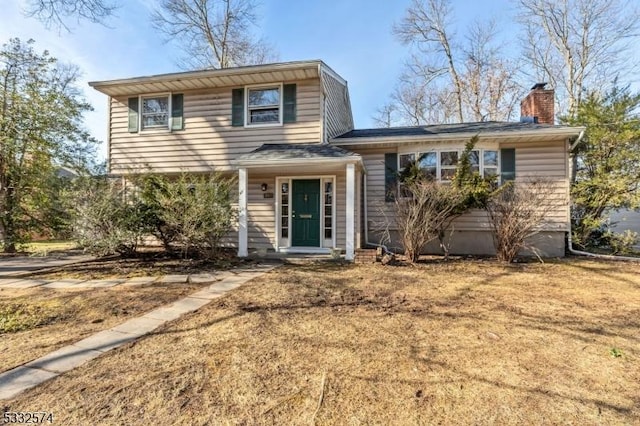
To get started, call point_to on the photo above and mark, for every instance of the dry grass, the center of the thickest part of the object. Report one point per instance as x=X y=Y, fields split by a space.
x=37 y=321
x=43 y=248
x=469 y=342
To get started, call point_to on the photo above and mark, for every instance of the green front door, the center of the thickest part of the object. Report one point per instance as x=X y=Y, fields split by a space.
x=305 y=213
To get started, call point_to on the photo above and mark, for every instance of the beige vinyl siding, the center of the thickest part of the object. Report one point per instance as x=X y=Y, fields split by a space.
x=378 y=211
x=547 y=160
x=261 y=218
x=338 y=117
x=341 y=210
x=208 y=141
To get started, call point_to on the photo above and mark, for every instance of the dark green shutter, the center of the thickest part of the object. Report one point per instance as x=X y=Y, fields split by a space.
x=507 y=164
x=289 y=103
x=390 y=176
x=237 y=107
x=177 y=112
x=133 y=115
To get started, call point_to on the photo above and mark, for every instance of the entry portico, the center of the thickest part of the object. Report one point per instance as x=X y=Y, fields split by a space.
x=308 y=192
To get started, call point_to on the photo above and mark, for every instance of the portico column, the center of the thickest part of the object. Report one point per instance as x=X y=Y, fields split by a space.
x=350 y=207
x=243 y=250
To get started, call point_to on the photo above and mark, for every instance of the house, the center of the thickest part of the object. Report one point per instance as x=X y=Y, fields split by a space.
x=309 y=181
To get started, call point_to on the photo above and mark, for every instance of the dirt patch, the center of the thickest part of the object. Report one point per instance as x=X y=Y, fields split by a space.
x=148 y=263
x=463 y=342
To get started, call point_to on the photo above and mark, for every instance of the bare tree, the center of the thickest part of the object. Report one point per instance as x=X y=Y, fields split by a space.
x=53 y=13
x=517 y=213
x=426 y=26
x=489 y=79
x=214 y=33
x=576 y=44
x=448 y=78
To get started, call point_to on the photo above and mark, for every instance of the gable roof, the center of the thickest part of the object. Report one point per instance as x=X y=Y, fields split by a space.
x=458 y=131
x=213 y=78
x=284 y=153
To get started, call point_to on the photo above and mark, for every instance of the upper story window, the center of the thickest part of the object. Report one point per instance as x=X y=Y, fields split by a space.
x=263 y=105
x=155 y=112
x=160 y=112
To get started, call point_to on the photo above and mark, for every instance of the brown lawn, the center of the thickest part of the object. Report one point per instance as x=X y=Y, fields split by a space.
x=466 y=342
x=36 y=321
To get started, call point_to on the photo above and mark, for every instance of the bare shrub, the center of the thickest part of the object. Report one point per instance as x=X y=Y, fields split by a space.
x=517 y=212
x=425 y=214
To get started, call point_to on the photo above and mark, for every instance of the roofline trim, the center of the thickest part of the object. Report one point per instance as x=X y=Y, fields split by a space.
x=188 y=75
x=573 y=131
x=296 y=161
x=326 y=68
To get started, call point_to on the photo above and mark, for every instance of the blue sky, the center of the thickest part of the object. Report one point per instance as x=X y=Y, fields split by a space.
x=352 y=36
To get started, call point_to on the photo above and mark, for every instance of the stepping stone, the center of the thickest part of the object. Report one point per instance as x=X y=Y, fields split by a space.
x=139 y=281
x=27 y=283
x=20 y=379
x=174 y=279
x=105 y=340
x=68 y=283
x=64 y=359
x=6 y=281
x=203 y=278
x=208 y=293
x=139 y=326
x=102 y=283
x=177 y=309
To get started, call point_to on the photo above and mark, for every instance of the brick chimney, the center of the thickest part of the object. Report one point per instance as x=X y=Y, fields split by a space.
x=538 y=106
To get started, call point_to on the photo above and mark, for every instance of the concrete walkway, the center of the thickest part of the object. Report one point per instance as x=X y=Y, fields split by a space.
x=17 y=282
x=20 y=265
x=33 y=373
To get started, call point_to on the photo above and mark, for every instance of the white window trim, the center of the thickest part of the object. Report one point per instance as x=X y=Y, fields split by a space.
x=289 y=179
x=481 y=151
x=157 y=129
x=246 y=105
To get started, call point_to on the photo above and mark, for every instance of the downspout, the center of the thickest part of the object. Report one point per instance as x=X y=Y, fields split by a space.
x=569 y=241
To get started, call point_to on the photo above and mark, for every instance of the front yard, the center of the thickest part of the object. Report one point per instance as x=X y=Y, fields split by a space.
x=464 y=342
x=34 y=322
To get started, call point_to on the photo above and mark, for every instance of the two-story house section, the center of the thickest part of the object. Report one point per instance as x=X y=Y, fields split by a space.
x=307 y=180
x=270 y=125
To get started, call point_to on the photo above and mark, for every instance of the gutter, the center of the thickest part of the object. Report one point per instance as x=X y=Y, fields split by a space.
x=573 y=145
x=365 y=141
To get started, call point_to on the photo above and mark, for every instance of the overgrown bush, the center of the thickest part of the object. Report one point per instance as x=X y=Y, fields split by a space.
x=516 y=212
x=191 y=212
x=107 y=219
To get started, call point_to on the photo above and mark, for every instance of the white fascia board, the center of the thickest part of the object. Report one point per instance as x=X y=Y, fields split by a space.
x=295 y=161
x=574 y=131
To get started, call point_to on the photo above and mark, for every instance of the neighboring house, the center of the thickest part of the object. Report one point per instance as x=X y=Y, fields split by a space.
x=308 y=181
x=625 y=220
